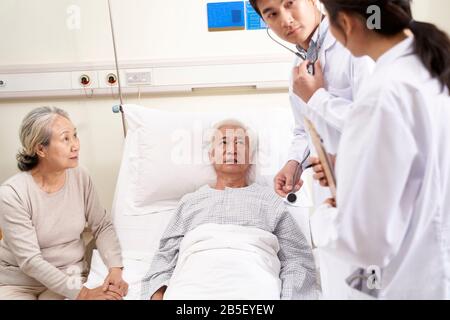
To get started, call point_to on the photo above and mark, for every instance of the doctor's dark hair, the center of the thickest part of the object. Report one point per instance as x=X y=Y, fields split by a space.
x=34 y=131
x=432 y=45
x=254 y=4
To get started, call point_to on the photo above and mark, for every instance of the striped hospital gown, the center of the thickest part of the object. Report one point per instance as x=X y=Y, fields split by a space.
x=254 y=206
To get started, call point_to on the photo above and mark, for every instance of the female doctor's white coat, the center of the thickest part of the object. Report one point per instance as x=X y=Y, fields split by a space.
x=393 y=178
x=327 y=109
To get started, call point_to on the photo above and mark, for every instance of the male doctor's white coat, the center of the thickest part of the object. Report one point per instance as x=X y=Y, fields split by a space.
x=327 y=109
x=393 y=176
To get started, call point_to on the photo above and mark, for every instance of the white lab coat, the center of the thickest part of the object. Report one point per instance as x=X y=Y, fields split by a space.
x=393 y=176
x=327 y=109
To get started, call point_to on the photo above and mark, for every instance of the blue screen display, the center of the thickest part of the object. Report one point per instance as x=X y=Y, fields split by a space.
x=226 y=16
x=254 y=21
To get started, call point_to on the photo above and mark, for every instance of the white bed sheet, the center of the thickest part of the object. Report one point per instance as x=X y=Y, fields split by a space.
x=139 y=235
x=139 y=238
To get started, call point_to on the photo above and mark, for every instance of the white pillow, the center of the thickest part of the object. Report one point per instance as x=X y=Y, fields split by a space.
x=166 y=153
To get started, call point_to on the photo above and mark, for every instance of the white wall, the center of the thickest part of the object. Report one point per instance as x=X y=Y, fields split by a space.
x=45 y=31
x=100 y=129
x=42 y=31
x=435 y=11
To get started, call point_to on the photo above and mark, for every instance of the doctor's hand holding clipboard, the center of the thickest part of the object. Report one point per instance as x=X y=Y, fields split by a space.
x=319 y=175
x=323 y=166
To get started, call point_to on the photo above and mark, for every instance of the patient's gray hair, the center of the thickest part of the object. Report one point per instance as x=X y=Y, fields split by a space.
x=36 y=130
x=252 y=137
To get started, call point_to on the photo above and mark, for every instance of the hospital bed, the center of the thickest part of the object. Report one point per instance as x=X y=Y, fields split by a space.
x=163 y=159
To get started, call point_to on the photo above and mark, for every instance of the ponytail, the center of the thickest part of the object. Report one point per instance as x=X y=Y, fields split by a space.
x=431 y=44
x=433 y=48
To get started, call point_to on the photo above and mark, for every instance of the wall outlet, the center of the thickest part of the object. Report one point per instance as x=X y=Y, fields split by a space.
x=108 y=78
x=84 y=79
x=111 y=79
x=138 y=77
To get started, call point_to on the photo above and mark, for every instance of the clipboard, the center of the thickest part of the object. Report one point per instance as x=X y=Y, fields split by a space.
x=323 y=156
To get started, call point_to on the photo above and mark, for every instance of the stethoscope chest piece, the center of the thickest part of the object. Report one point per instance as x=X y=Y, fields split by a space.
x=291 y=198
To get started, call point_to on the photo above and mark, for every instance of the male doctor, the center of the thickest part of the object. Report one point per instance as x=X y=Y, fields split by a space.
x=324 y=97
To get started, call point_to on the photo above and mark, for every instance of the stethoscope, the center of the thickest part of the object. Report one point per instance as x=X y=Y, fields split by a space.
x=302 y=54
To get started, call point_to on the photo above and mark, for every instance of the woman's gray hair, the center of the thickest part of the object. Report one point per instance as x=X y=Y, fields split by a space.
x=34 y=131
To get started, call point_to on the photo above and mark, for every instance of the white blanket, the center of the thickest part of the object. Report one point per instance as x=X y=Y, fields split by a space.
x=226 y=262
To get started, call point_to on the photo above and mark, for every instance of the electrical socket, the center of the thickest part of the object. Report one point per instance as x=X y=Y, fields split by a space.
x=138 y=77
x=79 y=75
x=104 y=81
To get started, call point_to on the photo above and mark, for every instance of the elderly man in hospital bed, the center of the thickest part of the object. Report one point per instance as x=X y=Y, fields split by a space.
x=232 y=240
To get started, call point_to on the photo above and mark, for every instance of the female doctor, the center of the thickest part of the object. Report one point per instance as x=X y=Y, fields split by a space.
x=325 y=98
x=393 y=172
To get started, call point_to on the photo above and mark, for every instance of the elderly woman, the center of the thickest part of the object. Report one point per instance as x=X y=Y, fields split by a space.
x=43 y=212
x=232 y=240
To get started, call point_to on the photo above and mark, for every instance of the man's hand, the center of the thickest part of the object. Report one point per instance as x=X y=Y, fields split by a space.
x=114 y=280
x=284 y=181
x=305 y=84
x=99 y=294
x=159 y=295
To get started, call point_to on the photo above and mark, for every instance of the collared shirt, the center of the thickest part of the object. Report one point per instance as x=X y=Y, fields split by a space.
x=316 y=43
